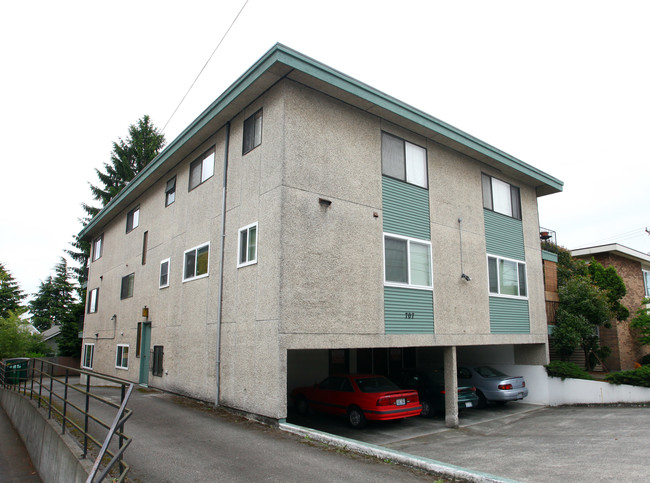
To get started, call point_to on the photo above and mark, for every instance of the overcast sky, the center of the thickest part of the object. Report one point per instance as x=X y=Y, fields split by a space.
x=562 y=85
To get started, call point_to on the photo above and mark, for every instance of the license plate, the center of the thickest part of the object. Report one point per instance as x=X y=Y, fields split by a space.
x=400 y=402
x=468 y=405
x=520 y=395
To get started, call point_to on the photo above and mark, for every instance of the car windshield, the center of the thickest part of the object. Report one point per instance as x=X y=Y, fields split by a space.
x=486 y=371
x=375 y=384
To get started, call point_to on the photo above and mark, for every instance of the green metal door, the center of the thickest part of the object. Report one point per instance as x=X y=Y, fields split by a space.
x=145 y=353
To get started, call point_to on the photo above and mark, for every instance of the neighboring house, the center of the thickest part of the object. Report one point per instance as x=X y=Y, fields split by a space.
x=304 y=224
x=634 y=269
x=51 y=336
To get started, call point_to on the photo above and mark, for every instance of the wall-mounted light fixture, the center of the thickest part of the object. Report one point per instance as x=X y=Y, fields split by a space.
x=324 y=202
x=114 y=318
x=145 y=312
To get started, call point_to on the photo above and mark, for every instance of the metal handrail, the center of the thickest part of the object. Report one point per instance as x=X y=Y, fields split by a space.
x=60 y=405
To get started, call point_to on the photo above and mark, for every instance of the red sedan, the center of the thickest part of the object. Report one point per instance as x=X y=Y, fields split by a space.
x=361 y=397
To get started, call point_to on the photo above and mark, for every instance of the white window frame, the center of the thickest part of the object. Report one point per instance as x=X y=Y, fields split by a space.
x=93 y=297
x=253 y=122
x=246 y=230
x=160 y=284
x=205 y=163
x=499 y=294
x=119 y=353
x=196 y=249
x=409 y=241
x=170 y=191
x=130 y=276
x=88 y=348
x=133 y=219
x=411 y=165
x=98 y=245
x=514 y=209
x=646 y=282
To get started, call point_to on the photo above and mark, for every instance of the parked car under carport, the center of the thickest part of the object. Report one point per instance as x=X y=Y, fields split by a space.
x=492 y=385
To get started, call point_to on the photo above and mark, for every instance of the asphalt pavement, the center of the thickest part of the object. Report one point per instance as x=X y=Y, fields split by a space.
x=15 y=464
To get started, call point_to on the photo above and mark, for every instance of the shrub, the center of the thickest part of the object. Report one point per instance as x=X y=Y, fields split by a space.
x=645 y=360
x=566 y=369
x=635 y=377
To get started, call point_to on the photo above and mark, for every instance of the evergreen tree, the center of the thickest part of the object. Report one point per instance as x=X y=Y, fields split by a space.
x=11 y=296
x=69 y=342
x=54 y=300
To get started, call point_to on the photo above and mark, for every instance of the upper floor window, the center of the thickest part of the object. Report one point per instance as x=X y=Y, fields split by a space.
x=507 y=277
x=646 y=282
x=97 y=247
x=247 y=251
x=133 y=219
x=122 y=356
x=93 y=299
x=127 y=286
x=164 y=274
x=501 y=197
x=403 y=160
x=196 y=262
x=252 y=132
x=170 y=191
x=407 y=261
x=201 y=169
x=89 y=353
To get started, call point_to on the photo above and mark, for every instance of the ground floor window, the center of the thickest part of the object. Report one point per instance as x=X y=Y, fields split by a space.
x=89 y=353
x=157 y=365
x=122 y=356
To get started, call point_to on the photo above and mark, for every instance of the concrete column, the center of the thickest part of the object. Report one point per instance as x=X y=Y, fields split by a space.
x=451 y=388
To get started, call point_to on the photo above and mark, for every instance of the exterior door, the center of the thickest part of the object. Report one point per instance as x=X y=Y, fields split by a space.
x=145 y=354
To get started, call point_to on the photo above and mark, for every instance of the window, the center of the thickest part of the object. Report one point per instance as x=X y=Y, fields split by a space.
x=170 y=191
x=247 y=250
x=89 y=353
x=196 y=262
x=93 y=297
x=407 y=261
x=145 y=242
x=164 y=274
x=97 y=247
x=252 y=132
x=403 y=160
x=122 y=356
x=157 y=364
x=201 y=169
x=127 y=286
x=133 y=219
x=138 y=339
x=501 y=197
x=507 y=277
x=646 y=282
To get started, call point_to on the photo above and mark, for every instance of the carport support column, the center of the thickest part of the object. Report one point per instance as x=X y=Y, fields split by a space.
x=451 y=388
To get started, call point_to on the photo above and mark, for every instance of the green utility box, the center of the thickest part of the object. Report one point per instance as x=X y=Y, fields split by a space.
x=16 y=370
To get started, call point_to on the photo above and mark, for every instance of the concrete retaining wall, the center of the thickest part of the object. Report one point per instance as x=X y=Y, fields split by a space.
x=53 y=454
x=579 y=391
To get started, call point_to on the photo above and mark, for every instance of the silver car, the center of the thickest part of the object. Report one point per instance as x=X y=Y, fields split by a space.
x=492 y=385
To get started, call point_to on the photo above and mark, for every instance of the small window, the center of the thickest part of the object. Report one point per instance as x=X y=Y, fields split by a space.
x=127 y=286
x=501 y=197
x=122 y=356
x=252 y=132
x=407 y=261
x=201 y=169
x=403 y=160
x=646 y=282
x=247 y=250
x=93 y=297
x=170 y=191
x=97 y=247
x=164 y=274
x=157 y=364
x=145 y=242
x=196 y=262
x=133 y=219
x=138 y=339
x=89 y=353
x=507 y=277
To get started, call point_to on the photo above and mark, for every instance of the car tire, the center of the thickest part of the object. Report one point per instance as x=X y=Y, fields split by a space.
x=428 y=411
x=302 y=406
x=482 y=401
x=356 y=419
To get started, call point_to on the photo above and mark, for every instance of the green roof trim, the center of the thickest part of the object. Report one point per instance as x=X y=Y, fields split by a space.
x=280 y=55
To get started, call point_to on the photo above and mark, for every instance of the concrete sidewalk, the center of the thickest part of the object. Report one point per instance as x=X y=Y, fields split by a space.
x=15 y=464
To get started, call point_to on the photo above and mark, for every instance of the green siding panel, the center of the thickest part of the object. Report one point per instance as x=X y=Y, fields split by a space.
x=550 y=256
x=408 y=311
x=405 y=209
x=509 y=316
x=504 y=236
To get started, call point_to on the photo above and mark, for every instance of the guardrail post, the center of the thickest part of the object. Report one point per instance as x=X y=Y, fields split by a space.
x=49 y=409
x=65 y=400
x=40 y=384
x=86 y=416
x=121 y=432
x=31 y=384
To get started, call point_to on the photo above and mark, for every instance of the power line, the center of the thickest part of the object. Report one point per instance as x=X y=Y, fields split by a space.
x=206 y=64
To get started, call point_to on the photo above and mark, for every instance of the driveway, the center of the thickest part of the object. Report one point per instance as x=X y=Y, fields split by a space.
x=523 y=442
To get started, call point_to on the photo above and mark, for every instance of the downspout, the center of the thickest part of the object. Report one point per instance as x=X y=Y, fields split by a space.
x=223 y=242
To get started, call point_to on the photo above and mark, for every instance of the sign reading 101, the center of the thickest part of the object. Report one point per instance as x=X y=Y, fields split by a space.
x=409 y=315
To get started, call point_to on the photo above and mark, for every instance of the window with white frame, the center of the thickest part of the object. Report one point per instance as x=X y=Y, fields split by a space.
x=252 y=132
x=646 y=282
x=407 y=262
x=97 y=247
x=201 y=169
x=196 y=261
x=507 y=277
x=93 y=297
x=122 y=356
x=89 y=354
x=247 y=250
x=133 y=219
x=164 y=274
x=501 y=197
x=403 y=160
x=170 y=191
x=126 y=290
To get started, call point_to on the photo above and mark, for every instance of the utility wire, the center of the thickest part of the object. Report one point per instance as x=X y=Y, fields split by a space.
x=206 y=64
